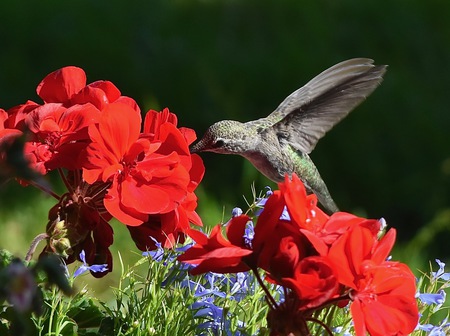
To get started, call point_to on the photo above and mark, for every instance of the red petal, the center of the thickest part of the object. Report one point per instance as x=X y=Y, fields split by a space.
x=268 y=220
x=197 y=236
x=17 y=114
x=294 y=194
x=50 y=112
x=236 y=230
x=110 y=90
x=60 y=85
x=99 y=93
x=3 y=117
x=189 y=134
x=154 y=120
x=127 y=216
x=228 y=265
x=148 y=199
x=120 y=127
x=384 y=247
x=197 y=172
x=358 y=319
x=130 y=102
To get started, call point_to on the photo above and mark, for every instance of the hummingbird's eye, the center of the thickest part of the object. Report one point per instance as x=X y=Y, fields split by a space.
x=219 y=143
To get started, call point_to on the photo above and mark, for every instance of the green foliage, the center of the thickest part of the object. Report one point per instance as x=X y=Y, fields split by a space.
x=21 y=291
x=77 y=315
x=157 y=298
x=142 y=307
x=153 y=299
x=150 y=300
x=434 y=314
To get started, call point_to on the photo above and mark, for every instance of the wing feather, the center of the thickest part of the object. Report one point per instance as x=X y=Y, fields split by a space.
x=309 y=112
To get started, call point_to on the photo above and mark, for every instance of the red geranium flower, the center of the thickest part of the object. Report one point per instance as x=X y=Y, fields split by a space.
x=68 y=87
x=216 y=253
x=143 y=182
x=17 y=115
x=314 y=281
x=384 y=302
x=146 y=180
x=321 y=229
x=382 y=292
x=59 y=135
x=169 y=228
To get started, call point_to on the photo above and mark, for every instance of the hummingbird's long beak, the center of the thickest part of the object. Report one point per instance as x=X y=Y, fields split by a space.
x=195 y=148
x=200 y=146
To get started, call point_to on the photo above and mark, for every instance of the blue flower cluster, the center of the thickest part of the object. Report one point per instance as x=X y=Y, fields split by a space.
x=207 y=289
x=436 y=300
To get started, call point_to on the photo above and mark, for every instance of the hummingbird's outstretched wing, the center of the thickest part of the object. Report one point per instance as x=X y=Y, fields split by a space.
x=308 y=113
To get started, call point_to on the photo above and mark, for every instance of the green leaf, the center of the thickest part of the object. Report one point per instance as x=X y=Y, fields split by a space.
x=86 y=314
x=106 y=327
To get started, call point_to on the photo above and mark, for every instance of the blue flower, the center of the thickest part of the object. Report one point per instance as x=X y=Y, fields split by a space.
x=285 y=214
x=156 y=255
x=178 y=271
x=260 y=202
x=240 y=285
x=341 y=331
x=184 y=248
x=440 y=273
x=249 y=233
x=216 y=321
x=439 y=330
x=85 y=267
x=432 y=298
x=187 y=283
x=208 y=310
x=211 y=288
x=236 y=212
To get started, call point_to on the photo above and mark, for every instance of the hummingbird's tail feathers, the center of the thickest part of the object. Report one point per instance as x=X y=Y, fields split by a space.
x=307 y=114
x=328 y=204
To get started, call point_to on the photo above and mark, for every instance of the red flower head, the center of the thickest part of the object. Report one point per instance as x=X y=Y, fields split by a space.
x=383 y=292
x=146 y=180
x=17 y=115
x=59 y=135
x=143 y=182
x=320 y=229
x=169 y=228
x=216 y=253
x=59 y=126
x=314 y=281
x=285 y=252
x=68 y=87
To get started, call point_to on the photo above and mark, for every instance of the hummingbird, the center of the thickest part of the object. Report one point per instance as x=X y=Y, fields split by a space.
x=280 y=143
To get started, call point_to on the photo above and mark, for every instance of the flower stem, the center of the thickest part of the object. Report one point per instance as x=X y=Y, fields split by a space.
x=270 y=300
x=34 y=244
x=43 y=188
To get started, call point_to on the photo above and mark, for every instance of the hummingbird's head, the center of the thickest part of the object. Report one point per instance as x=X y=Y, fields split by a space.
x=225 y=137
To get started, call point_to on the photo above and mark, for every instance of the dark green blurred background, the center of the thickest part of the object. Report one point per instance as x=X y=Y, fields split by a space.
x=214 y=60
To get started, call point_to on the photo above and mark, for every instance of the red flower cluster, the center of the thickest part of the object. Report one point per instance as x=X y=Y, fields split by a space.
x=91 y=135
x=321 y=259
